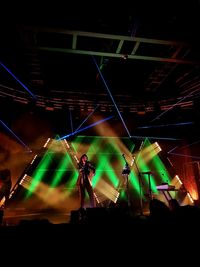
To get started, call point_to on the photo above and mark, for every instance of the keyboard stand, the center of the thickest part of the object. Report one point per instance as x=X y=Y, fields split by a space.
x=166 y=193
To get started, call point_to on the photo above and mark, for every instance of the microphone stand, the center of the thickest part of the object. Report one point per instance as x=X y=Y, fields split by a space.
x=140 y=185
x=126 y=171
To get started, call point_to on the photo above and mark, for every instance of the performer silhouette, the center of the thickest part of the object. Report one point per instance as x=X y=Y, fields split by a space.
x=86 y=170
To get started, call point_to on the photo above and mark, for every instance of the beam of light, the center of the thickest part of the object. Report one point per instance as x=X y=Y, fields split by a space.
x=155 y=164
x=29 y=150
x=196 y=142
x=56 y=197
x=143 y=166
x=39 y=173
x=154 y=137
x=184 y=155
x=106 y=189
x=66 y=163
x=191 y=86
x=71 y=122
x=190 y=197
x=166 y=125
x=23 y=85
x=106 y=167
x=176 y=104
x=172 y=149
x=103 y=167
x=102 y=64
x=151 y=151
x=109 y=92
x=188 y=145
x=134 y=28
x=85 y=128
x=179 y=180
x=90 y=114
x=176 y=181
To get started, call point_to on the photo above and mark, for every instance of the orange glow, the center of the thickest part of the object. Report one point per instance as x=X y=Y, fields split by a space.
x=107 y=190
x=57 y=198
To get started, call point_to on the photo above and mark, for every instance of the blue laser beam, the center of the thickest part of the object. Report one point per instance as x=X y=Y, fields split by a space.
x=85 y=128
x=16 y=136
x=109 y=92
x=23 y=85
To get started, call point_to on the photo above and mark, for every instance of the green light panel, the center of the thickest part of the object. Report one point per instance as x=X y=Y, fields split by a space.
x=58 y=166
x=157 y=165
x=106 y=155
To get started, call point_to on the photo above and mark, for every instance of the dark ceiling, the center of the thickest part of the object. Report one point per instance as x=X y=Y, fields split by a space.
x=145 y=60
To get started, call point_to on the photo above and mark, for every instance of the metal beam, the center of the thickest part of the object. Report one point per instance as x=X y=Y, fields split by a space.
x=107 y=36
x=78 y=39
x=115 y=55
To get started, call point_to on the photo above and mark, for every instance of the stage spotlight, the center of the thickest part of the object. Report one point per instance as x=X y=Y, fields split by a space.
x=125 y=57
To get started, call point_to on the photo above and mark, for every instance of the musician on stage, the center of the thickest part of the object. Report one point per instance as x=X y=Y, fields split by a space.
x=86 y=171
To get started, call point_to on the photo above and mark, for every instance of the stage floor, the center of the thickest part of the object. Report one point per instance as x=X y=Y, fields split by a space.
x=16 y=216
